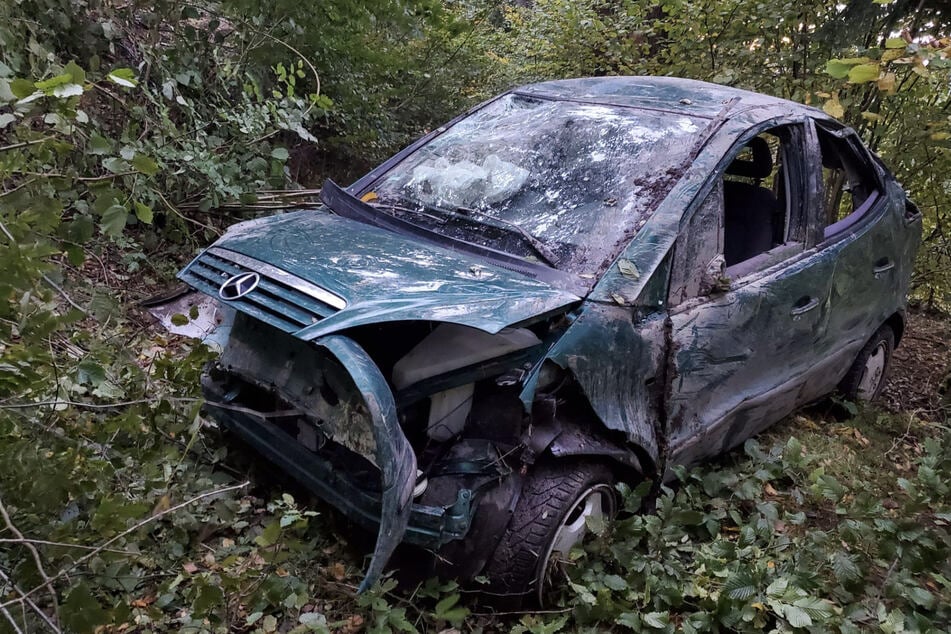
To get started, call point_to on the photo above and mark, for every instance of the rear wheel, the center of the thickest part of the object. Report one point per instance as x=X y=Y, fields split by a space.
x=866 y=377
x=557 y=501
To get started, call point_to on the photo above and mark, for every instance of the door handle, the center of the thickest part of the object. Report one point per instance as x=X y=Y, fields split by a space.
x=804 y=305
x=882 y=265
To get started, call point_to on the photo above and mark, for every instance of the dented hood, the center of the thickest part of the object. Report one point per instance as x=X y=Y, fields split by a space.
x=371 y=274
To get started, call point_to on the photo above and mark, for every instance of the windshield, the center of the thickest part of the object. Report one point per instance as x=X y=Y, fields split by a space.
x=560 y=182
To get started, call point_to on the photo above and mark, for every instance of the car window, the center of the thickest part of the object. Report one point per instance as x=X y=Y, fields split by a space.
x=751 y=219
x=850 y=186
x=581 y=178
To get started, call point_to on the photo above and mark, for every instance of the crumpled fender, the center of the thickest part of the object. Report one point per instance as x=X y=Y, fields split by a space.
x=394 y=454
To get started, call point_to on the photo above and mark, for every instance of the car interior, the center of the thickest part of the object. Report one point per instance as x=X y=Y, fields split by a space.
x=754 y=213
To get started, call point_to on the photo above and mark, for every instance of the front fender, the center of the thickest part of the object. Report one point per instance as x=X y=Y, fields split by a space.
x=394 y=455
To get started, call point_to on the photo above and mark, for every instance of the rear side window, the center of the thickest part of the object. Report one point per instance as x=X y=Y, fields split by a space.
x=850 y=184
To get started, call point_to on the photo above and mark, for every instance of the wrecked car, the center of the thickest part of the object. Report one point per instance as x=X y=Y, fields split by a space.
x=576 y=283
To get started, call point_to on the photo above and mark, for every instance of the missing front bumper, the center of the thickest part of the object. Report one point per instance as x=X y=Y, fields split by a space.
x=389 y=509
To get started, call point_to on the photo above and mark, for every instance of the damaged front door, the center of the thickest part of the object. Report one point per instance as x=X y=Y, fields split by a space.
x=745 y=340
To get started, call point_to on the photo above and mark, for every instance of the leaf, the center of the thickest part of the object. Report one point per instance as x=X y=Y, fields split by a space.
x=448 y=610
x=99 y=144
x=280 y=153
x=614 y=582
x=77 y=74
x=22 y=88
x=67 y=90
x=47 y=86
x=144 y=164
x=115 y=165
x=143 y=212
x=81 y=611
x=269 y=535
x=6 y=119
x=740 y=586
x=844 y=568
x=123 y=77
x=833 y=107
x=896 y=42
x=113 y=220
x=864 y=73
x=887 y=83
x=658 y=620
x=796 y=616
x=627 y=269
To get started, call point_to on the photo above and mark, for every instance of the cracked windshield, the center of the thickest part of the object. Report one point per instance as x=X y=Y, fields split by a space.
x=558 y=182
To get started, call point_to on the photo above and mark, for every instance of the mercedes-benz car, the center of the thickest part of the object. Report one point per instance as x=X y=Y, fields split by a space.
x=574 y=284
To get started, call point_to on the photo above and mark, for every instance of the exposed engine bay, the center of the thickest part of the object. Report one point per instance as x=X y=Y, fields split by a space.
x=456 y=392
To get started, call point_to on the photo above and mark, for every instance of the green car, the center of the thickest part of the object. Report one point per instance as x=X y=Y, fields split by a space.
x=574 y=284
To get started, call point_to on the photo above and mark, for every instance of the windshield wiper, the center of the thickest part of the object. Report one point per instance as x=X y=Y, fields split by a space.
x=539 y=247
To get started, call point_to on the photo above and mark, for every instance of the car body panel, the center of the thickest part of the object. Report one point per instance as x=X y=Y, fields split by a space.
x=385 y=277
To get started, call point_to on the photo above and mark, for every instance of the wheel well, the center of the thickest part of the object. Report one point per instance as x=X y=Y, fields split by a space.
x=897 y=323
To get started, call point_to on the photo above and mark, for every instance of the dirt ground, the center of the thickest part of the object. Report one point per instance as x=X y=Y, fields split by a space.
x=919 y=367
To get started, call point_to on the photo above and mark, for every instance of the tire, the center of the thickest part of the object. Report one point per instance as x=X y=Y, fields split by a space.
x=555 y=496
x=864 y=380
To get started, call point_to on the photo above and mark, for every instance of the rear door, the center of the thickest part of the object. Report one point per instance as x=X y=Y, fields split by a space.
x=859 y=230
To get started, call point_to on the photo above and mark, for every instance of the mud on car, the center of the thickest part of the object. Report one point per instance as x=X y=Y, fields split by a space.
x=575 y=283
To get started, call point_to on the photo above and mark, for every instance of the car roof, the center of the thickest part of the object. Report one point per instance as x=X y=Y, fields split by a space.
x=669 y=94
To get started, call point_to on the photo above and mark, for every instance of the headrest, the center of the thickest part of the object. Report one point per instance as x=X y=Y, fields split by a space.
x=761 y=164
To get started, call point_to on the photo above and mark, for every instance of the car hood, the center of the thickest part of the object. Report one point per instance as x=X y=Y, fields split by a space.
x=378 y=274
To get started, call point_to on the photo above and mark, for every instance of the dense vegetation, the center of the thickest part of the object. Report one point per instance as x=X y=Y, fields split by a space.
x=132 y=132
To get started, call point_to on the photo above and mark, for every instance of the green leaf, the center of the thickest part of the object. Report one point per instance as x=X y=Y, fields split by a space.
x=864 y=73
x=81 y=611
x=614 y=582
x=115 y=165
x=895 y=42
x=48 y=85
x=143 y=212
x=844 y=568
x=113 y=220
x=99 y=144
x=144 y=164
x=269 y=536
x=796 y=616
x=628 y=269
x=77 y=74
x=123 y=77
x=22 y=88
x=740 y=586
x=6 y=119
x=658 y=620
x=280 y=153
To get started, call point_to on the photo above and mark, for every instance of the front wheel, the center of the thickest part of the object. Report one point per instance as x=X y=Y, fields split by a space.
x=557 y=501
x=866 y=377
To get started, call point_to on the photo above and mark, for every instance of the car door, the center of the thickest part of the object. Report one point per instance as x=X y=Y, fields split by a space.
x=745 y=336
x=859 y=231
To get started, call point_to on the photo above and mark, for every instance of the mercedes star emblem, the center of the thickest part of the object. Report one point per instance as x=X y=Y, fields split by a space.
x=239 y=285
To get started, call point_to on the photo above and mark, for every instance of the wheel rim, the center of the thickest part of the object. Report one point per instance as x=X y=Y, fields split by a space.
x=873 y=373
x=596 y=502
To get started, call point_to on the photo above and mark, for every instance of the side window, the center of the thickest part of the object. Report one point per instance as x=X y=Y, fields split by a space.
x=752 y=218
x=850 y=185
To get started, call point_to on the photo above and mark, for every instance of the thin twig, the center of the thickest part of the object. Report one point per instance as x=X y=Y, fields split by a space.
x=28 y=540
x=34 y=552
x=15 y=146
x=175 y=399
x=46 y=278
x=175 y=210
x=29 y=602
x=13 y=623
x=137 y=526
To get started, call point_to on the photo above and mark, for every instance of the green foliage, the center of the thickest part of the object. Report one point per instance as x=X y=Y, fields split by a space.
x=773 y=541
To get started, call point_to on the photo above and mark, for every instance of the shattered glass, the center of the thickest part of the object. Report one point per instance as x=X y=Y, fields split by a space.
x=581 y=178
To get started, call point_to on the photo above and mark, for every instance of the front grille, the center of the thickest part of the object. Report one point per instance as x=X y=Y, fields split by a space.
x=280 y=299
